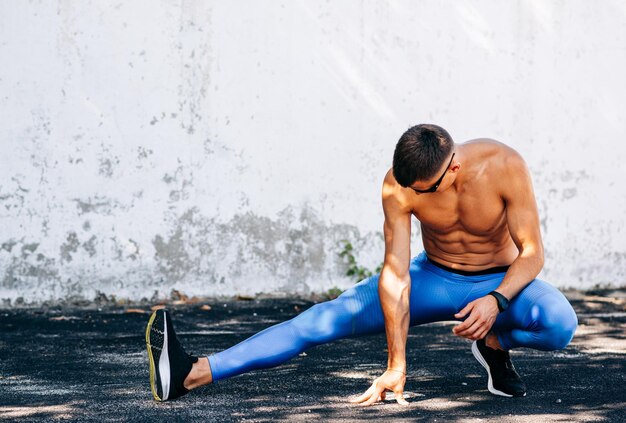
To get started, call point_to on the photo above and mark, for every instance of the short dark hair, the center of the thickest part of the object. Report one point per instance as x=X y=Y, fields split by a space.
x=420 y=153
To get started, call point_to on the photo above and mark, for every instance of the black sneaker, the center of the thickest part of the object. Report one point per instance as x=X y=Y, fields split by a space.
x=503 y=379
x=169 y=363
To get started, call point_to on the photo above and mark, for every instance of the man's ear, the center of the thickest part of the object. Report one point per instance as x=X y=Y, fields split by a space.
x=455 y=167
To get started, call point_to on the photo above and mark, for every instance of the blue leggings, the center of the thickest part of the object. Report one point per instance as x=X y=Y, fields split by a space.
x=539 y=317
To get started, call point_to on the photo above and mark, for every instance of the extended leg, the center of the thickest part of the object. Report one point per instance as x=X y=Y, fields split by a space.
x=355 y=312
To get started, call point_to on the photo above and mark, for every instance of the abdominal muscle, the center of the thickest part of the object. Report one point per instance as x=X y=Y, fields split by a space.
x=461 y=250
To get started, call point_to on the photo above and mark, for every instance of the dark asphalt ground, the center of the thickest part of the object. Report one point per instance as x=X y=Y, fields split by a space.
x=90 y=364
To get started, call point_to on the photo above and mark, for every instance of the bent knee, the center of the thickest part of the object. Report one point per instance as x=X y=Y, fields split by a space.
x=559 y=337
x=557 y=325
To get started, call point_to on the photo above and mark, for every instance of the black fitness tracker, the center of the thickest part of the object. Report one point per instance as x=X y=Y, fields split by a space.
x=503 y=302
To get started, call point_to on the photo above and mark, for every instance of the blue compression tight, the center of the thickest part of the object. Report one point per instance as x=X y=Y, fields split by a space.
x=539 y=317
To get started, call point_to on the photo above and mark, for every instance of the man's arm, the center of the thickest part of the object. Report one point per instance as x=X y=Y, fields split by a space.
x=523 y=222
x=394 y=284
x=394 y=288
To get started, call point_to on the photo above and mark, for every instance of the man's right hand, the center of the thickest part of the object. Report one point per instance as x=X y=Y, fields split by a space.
x=391 y=380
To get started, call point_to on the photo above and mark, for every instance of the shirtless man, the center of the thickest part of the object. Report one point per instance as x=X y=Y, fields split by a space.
x=483 y=251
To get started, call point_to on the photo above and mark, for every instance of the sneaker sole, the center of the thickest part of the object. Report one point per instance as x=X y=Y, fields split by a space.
x=483 y=363
x=164 y=368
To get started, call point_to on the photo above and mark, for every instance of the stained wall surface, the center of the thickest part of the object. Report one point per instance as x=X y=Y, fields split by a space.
x=223 y=148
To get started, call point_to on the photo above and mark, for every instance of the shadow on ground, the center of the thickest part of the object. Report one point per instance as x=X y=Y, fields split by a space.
x=90 y=364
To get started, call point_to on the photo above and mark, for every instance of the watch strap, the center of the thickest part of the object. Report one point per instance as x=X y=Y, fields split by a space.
x=503 y=302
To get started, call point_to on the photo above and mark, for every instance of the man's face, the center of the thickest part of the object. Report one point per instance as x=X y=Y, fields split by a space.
x=433 y=187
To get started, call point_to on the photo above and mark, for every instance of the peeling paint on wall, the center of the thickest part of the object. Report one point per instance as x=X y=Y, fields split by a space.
x=293 y=253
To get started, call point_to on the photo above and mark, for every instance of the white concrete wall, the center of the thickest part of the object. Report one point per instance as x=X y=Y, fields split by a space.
x=226 y=147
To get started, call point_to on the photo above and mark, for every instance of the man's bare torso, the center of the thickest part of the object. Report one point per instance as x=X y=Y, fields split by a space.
x=465 y=225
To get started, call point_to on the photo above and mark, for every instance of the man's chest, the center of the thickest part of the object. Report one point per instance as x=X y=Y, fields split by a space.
x=475 y=212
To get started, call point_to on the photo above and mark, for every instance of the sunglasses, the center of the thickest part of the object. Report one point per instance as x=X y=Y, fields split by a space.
x=436 y=185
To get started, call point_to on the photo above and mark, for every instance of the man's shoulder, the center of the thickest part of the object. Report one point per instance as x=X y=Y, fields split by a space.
x=391 y=187
x=501 y=155
x=490 y=145
x=395 y=195
x=506 y=168
x=389 y=178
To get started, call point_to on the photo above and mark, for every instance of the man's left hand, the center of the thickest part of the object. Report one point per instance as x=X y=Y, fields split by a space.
x=482 y=314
